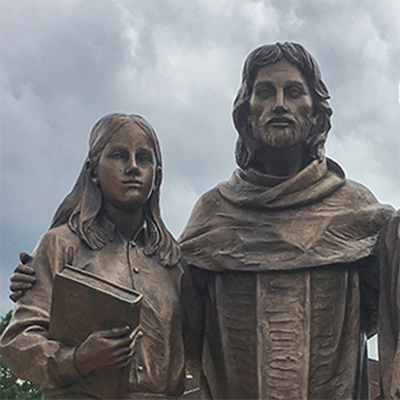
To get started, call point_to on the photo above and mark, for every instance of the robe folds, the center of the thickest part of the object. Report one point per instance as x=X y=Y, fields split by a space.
x=157 y=368
x=286 y=285
x=389 y=308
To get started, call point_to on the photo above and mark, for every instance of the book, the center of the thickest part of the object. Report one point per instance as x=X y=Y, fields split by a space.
x=83 y=303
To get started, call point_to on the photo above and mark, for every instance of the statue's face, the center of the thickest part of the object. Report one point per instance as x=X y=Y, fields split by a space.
x=281 y=106
x=126 y=169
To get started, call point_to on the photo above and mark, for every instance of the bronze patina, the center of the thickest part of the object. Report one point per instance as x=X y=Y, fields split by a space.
x=109 y=225
x=283 y=284
x=282 y=254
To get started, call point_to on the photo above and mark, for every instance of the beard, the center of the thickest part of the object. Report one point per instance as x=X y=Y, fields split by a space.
x=267 y=135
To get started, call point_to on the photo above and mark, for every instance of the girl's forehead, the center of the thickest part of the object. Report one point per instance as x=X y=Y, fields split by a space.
x=130 y=135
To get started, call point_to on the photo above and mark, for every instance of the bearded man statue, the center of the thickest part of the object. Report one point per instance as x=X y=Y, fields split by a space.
x=282 y=254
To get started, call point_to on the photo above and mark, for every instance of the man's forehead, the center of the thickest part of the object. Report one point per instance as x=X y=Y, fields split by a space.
x=283 y=68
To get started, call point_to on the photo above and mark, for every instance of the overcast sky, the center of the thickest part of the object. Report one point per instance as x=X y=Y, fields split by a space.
x=65 y=64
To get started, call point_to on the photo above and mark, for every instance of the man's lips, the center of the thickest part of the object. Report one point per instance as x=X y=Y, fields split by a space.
x=280 y=122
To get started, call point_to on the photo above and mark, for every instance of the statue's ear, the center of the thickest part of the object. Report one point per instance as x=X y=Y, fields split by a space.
x=158 y=177
x=318 y=122
x=92 y=169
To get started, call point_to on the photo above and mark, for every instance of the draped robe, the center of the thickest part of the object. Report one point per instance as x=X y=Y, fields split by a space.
x=285 y=285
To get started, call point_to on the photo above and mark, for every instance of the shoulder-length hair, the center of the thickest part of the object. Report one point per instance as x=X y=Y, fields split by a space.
x=81 y=208
x=270 y=54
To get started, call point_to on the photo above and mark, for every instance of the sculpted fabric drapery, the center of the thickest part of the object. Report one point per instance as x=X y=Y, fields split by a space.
x=389 y=308
x=283 y=275
x=256 y=223
x=157 y=368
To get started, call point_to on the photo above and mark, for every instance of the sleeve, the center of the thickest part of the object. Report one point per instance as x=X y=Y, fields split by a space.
x=25 y=345
x=389 y=308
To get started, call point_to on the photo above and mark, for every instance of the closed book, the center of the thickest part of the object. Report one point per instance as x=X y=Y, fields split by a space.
x=83 y=303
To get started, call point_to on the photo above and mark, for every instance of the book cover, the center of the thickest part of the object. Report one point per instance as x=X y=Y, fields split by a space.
x=83 y=303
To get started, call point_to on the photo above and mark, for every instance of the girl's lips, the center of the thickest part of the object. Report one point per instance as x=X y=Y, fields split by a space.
x=133 y=183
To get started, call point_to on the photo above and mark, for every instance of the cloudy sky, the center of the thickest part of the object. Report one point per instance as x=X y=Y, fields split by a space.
x=65 y=64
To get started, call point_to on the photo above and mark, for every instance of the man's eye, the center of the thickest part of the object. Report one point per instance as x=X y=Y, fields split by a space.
x=264 y=93
x=294 y=92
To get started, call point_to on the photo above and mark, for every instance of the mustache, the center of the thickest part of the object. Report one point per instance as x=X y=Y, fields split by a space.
x=274 y=119
x=306 y=121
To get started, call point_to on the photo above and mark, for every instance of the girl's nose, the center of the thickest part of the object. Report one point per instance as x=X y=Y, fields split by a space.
x=131 y=166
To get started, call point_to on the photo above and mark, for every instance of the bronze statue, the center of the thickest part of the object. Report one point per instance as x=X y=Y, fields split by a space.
x=389 y=308
x=285 y=281
x=282 y=253
x=109 y=225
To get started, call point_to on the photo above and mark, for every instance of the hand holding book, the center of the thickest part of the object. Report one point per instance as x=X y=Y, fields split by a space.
x=101 y=320
x=106 y=348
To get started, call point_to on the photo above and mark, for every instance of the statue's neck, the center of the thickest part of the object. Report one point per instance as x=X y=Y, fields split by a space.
x=127 y=222
x=284 y=162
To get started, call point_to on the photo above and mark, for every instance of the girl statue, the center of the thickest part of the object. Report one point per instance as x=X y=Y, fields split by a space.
x=109 y=225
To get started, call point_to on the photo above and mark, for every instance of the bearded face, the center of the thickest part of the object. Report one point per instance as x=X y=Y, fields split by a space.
x=281 y=106
x=289 y=134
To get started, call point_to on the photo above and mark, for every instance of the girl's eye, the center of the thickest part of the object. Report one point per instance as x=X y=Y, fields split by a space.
x=144 y=157
x=116 y=155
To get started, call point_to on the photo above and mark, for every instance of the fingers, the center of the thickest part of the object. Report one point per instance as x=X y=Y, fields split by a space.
x=25 y=258
x=122 y=353
x=124 y=341
x=107 y=348
x=16 y=295
x=136 y=332
x=135 y=336
x=70 y=255
x=20 y=286
x=22 y=279
x=122 y=357
x=19 y=276
x=122 y=364
x=116 y=332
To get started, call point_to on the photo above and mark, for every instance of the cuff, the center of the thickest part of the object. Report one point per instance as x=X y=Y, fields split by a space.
x=66 y=369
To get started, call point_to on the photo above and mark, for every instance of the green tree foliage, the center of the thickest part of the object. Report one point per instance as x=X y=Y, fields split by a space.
x=11 y=387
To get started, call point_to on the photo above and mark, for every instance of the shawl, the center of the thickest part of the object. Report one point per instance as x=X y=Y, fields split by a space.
x=256 y=222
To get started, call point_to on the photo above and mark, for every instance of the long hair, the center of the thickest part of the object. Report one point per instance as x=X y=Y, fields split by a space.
x=82 y=206
x=267 y=55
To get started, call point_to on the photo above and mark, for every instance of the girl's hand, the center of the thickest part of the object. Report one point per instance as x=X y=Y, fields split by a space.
x=108 y=348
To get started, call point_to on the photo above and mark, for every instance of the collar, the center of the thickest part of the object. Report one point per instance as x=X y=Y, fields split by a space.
x=141 y=236
x=250 y=188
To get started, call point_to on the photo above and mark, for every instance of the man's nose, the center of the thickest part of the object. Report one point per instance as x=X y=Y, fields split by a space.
x=280 y=104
